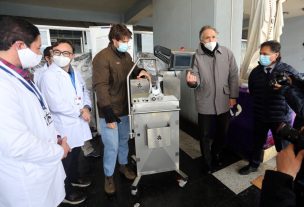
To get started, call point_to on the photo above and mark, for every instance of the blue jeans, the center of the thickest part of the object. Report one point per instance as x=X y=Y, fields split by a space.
x=115 y=143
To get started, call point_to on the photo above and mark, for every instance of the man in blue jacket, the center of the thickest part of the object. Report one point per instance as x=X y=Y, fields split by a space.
x=270 y=108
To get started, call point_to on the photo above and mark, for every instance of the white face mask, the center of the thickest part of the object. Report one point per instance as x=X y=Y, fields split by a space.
x=28 y=58
x=210 y=45
x=61 y=61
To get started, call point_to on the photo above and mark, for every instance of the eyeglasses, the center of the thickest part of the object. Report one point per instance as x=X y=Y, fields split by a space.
x=64 y=53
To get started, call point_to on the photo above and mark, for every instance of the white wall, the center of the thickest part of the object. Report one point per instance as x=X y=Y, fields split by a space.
x=147 y=42
x=292 y=41
x=229 y=23
x=176 y=23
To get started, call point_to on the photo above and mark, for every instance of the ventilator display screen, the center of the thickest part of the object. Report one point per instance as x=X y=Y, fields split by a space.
x=182 y=60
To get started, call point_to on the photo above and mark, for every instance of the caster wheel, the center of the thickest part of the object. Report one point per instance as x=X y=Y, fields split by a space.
x=134 y=191
x=182 y=183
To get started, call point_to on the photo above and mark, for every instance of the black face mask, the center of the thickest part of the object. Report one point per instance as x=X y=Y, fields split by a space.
x=207 y=51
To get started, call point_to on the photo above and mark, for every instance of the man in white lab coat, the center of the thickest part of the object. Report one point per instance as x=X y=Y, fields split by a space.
x=39 y=71
x=70 y=104
x=31 y=172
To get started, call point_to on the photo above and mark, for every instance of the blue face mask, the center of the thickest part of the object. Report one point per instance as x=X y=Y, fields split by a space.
x=123 y=47
x=265 y=60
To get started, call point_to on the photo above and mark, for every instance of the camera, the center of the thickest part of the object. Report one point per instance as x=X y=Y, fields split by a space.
x=279 y=78
x=292 y=135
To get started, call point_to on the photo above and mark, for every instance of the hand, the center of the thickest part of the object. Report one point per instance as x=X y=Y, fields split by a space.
x=111 y=125
x=65 y=146
x=288 y=162
x=145 y=74
x=277 y=86
x=86 y=114
x=232 y=102
x=191 y=79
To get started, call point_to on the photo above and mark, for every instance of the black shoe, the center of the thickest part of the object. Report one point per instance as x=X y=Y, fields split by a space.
x=74 y=198
x=207 y=169
x=247 y=170
x=81 y=182
x=216 y=161
x=94 y=154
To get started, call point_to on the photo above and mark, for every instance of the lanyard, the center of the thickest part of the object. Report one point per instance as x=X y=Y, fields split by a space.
x=31 y=88
x=72 y=76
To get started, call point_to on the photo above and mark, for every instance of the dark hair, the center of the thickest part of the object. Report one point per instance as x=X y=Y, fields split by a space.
x=16 y=29
x=118 y=31
x=47 y=51
x=205 y=28
x=275 y=47
x=64 y=41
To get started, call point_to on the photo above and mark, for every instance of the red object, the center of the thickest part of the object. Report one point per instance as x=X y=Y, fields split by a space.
x=182 y=49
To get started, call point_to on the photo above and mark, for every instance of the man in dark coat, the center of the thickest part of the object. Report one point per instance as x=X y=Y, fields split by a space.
x=270 y=108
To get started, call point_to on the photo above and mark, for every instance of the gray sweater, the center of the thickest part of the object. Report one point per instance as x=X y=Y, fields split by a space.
x=218 y=80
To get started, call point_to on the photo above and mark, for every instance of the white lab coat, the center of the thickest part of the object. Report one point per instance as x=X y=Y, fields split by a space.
x=60 y=94
x=31 y=171
x=38 y=74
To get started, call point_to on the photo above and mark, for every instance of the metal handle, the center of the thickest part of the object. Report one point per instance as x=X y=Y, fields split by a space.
x=128 y=88
x=159 y=111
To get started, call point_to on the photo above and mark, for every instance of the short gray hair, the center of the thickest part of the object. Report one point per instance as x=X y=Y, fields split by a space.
x=205 y=28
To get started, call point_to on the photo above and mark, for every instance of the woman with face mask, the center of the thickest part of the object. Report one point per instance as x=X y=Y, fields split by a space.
x=70 y=104
x=31 y=172
x=110 y=69
x=270 y=108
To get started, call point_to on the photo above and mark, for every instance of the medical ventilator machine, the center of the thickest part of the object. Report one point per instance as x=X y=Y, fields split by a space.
x=154 y=114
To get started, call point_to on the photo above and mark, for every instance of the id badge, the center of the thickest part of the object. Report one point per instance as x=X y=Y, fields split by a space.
x=48 y=118
x=78 y=100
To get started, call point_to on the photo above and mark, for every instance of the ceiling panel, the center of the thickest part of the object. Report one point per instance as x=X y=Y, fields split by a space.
x=112 y=6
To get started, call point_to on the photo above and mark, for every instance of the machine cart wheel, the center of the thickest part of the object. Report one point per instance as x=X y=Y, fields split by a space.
x=134 y=191
x=182 y=182
x=183 y=179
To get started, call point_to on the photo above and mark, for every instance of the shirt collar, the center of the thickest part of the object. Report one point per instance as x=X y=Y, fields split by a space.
x=23 y=73
x=270 y=66
x=71 y=70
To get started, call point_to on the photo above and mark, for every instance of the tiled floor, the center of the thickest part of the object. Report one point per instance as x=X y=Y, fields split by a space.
x=238 y=183
x=160 y=190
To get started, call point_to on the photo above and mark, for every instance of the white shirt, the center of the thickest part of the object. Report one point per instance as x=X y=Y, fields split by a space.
x=31 y=171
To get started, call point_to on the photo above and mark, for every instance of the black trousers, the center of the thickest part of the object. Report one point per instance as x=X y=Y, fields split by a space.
x=260 y=136
x=74 y=165
x=298 y=122
x=213 y=129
